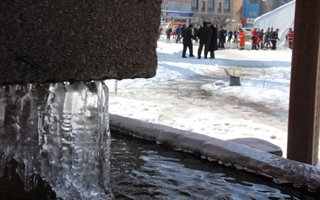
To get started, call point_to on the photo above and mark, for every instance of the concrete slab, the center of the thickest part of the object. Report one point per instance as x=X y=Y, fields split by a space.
x=260 y=144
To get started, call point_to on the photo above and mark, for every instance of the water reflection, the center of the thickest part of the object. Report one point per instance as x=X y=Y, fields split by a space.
x=143 y=170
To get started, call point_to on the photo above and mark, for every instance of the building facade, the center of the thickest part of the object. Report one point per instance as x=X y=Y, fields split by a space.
x=215 y=11
x=176 y=10
x=237 y=12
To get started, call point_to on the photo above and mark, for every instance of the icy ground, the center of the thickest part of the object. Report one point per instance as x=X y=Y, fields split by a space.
x=194 y=95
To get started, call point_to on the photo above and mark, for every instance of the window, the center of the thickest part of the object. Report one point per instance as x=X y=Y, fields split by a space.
x=203 y=7
x=179 y=6
x=211 y=5
x=195 y=4
x=253 y=1
x=219 y=7
x=227 y=5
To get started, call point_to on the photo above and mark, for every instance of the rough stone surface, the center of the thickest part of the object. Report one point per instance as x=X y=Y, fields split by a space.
x=50 y=41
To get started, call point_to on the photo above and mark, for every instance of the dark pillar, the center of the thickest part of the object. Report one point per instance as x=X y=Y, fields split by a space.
x=304 y=106
x=72 y=40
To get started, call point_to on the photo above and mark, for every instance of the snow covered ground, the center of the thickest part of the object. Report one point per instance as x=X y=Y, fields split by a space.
x=194 y=94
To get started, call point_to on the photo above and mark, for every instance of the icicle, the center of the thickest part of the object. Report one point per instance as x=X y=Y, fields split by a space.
x=61 y=133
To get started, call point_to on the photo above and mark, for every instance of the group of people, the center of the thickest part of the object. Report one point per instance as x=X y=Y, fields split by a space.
x=261 y=39
x=211 y=38
x=207 y=36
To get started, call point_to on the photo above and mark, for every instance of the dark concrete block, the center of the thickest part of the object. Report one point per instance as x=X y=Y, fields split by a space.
x=50 y=41
x=235 y=81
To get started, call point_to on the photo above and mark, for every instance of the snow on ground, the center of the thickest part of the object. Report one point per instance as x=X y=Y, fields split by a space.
x=194 y=94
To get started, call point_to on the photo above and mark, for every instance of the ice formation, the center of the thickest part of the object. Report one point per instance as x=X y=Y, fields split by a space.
x=60 y=132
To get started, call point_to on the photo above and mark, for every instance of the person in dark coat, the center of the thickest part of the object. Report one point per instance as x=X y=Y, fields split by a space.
x=222 y=37
x=187 y=41
x=274 y=39
x=213 y=42
x=204 y=35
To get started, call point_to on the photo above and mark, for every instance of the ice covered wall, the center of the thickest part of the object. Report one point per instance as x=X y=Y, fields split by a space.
x=60 y=132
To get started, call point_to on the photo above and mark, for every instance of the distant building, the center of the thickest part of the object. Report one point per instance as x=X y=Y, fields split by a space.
x=237 y=12
x=176 y=10
x=250 y=10
x=215 y=11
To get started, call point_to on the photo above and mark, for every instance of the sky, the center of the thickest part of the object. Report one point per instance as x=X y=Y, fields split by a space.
x=194 y=94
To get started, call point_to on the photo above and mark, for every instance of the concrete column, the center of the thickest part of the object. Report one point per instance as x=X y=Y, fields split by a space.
x=304 y=106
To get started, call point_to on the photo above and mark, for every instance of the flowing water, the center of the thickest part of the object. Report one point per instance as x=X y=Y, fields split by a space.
x=60 y=132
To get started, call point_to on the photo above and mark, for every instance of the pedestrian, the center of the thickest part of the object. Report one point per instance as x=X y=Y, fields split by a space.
x=242 y=38
x=230 y=34
x=174 y=29
x=235 y=36
x=204 y=35
x=254 y=39
x=214 y=41
x=195 y=33
x=260 y=36
x=160 y=31
x=289 y=37
x=274 y=38
x=178 y=33
x=187 y=41
x=268 y=37
x=168 y=32
x=221 y=37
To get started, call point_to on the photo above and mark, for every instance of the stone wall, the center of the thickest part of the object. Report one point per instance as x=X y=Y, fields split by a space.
x=53 y=41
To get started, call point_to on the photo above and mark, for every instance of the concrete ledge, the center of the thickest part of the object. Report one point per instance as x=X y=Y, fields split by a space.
x=281 y=170
x=257 y=143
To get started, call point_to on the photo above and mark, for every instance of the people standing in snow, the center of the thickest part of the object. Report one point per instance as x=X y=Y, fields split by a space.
x=235 y=36
x=268 y=37
x=178 y=33
x=160 y=31
x=195 y=33
x=187 y=41
x=214 y=41
x=242 y=38
x=289 y=38
x=168 y=32
x=261 y=40
x=174 y=29
x=230 y=34
x=254 y=39
x=222 y=37
x=274 y=38
x=204 y=35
